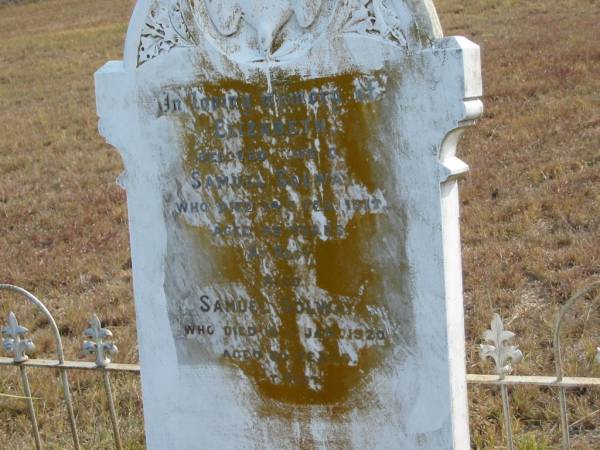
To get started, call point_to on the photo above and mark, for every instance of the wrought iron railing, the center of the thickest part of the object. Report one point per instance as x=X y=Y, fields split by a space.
x=15 y=342
x=496 y=346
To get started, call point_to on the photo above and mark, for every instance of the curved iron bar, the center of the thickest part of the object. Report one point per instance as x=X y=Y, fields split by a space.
x=564 y=420
x=59 y=353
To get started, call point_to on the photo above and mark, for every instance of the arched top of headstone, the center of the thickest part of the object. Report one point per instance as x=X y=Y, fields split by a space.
x=255 y=31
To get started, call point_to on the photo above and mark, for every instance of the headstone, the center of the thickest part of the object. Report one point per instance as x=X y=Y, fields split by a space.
x=293 y=208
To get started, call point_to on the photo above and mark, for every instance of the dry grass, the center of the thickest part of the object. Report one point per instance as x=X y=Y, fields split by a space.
x=63 y=220
x=530 y=231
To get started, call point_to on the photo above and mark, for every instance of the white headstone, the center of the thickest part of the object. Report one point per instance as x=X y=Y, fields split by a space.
x=293 y=207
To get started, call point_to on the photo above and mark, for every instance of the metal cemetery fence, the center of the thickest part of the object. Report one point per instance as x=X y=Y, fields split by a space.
x=496 y=346
x=15 y=342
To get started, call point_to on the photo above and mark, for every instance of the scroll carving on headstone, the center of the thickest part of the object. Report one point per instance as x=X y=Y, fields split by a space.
x=165 y=28
x=169 y=23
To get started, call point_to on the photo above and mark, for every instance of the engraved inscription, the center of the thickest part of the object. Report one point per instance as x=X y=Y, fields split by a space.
x=277 y=209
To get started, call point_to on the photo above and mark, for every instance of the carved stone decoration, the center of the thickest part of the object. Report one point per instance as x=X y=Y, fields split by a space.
x=164 y=28
x=266 y=18
x=265 y=31
x=253 y=31
x=375 y=18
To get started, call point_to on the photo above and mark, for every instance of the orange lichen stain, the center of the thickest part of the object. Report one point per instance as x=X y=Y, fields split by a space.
x=298 y=241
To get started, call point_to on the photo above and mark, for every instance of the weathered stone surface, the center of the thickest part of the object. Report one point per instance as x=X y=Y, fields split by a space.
x=293 y=207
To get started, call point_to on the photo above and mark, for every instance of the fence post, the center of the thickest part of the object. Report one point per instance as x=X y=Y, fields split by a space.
x=100 y=348
x=564 y=419
x=14 y=341
x=496 y=347
x=59 y=353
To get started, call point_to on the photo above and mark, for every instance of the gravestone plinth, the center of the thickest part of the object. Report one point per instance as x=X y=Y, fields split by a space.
x=293 y=208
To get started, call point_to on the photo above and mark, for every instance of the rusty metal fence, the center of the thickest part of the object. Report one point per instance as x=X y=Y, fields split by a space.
x=496 y=346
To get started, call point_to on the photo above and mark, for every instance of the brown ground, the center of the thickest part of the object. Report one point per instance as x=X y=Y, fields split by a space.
x=529 y=221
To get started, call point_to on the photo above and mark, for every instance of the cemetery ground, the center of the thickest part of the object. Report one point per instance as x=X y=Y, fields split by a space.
x=529 y=206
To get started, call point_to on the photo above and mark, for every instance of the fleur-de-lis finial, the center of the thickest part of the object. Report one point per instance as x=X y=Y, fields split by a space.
x=97 y=345
x=496 y=347
x=14 y=339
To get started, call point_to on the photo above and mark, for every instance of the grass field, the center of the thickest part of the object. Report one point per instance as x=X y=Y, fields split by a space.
x=529 y=205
